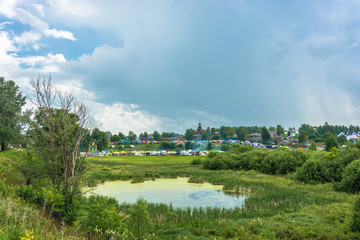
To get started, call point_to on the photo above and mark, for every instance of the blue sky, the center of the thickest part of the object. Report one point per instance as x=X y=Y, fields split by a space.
x=166 y=65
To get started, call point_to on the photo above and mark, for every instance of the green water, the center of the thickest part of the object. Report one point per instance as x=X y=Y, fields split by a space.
x=176 y=191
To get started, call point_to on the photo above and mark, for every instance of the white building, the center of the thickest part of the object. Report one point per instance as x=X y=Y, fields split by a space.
x=351 y=136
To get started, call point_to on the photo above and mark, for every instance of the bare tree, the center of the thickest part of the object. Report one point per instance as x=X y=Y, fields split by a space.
x=61 y=122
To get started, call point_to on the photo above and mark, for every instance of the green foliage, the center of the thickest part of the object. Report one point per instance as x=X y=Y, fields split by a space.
x=189 y=134
x=321 y=167
x=282 y=162
x=355 y=223
x=351 y=177
x=330 y=142
x=265 y=135
x=101 y=216
x=224 y=147
x=218 y=162
x=156 y=136
x=140 y=221
x=132 y=136
x=115 y=138
x=302 y=137
x=312 y=147
x=342 y=139
x=11 y=102
x=196 y=161
x=237 y=148
x=99 y=138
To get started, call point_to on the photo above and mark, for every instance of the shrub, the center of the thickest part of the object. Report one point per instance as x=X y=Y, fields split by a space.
x=282 y=162
x=101 y=215
x=351 y=177
x=237 y=148
x=252 y=160
x=220 y=161
x=196 y=161
x=3 y=189
x=140 y=221
x=355 y=223
x=348 y=154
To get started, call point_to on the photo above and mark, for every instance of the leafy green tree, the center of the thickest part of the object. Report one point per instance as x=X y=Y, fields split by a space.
x=312 y=147
x=189 y=134
x=280 y=130
x=209 y=146
x=355 y=223
x=156 y=136
x=11 y=102
x=115 y=138
x=205 y=136
x=99 y=138
x=330 y=142
x=122 y=136
x=302 y=137
x=56 y=134
x=242 y=133
x=342 y=139
x=307 y=129
x=265 y=135
x=102 y=214
x=140 y=221
x=224 y=147
x=131 y=136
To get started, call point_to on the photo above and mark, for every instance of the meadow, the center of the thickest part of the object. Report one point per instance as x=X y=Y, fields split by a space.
x=278 y=207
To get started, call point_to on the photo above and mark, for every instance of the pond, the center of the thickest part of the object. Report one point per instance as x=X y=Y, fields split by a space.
x=179 y=192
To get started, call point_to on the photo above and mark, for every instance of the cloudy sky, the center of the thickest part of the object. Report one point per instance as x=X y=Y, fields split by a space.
x=165 y=65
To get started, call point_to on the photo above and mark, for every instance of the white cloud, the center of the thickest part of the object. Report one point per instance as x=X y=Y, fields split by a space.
x=59 y=34
x=3 y=24
x=121 y=117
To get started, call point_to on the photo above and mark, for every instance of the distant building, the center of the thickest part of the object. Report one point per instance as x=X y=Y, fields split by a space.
x=351 y=136
x=198 y=134
x=274 y=135
x=254 y=137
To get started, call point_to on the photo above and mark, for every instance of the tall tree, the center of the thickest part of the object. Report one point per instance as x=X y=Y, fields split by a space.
x=11 y=102
x=132 y=136
x=122 y=136
x=330 y=141
x=156 y=136
x=189 y=134
x=279 y=130
x=99 y=138
x=265 y=135
x=57 y=134
x=302 y=137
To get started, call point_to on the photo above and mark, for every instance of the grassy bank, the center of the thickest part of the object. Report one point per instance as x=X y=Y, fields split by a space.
x=278 y=207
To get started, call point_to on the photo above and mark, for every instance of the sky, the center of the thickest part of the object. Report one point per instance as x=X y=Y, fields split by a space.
x=167 y=65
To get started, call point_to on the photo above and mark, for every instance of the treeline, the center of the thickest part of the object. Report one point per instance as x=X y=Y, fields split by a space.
x=341 y=168
x=306 y=132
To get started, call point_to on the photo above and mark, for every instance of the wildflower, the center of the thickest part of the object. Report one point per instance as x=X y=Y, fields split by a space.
x=29 y=235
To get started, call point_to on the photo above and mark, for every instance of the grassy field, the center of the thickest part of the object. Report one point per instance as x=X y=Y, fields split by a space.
x=278 y=207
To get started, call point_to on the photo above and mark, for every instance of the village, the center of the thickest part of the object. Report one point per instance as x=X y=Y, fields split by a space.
x=180 y=146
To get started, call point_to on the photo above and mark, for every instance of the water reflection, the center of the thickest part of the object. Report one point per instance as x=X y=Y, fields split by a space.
x=176 y=191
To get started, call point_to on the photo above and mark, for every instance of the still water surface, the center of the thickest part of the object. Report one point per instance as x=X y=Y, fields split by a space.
x=176 y=191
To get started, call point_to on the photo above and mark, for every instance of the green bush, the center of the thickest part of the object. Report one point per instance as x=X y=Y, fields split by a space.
x=101 y=216
x=237 y=148
x=351 y=177
x=252 y=160
x=3 y=189
x=282 y=162
x=355 y=223
x=321 y=167
x=196 y=161
x=140 y=221
x=218 y=162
